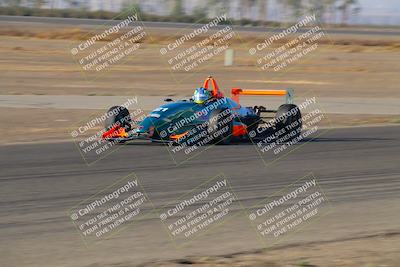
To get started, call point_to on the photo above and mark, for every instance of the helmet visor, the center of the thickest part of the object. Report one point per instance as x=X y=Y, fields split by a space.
x=200 y=96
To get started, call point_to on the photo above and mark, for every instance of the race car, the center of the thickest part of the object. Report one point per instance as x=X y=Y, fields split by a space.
x=208 y=117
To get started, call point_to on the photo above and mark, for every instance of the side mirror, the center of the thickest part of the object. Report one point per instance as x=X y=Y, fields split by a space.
x=168 y=100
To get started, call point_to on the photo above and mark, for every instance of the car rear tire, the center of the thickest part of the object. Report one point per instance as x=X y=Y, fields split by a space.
x=220 y=126
x=288 y=114
x=118 y=115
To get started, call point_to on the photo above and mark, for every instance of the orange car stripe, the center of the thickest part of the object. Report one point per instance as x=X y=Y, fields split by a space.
x=177 y=136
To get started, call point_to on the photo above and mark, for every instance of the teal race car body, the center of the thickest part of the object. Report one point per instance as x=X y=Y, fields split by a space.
x=220 y=119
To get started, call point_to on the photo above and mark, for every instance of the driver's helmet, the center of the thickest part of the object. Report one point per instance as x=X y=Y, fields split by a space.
x=201 y=95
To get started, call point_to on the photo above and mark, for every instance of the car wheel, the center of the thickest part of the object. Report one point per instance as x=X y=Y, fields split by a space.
x=288 y=122
x=118 y=115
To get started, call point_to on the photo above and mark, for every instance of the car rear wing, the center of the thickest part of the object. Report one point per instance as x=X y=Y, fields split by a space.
x=288 y=93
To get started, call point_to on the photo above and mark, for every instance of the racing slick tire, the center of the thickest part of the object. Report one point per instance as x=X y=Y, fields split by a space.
x=220 y=126
x=288 y=123
x=118 y=115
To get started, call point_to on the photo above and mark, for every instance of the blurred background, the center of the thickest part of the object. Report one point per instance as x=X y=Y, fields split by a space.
x=255 y=12
x=356 y=60
x=45 y=94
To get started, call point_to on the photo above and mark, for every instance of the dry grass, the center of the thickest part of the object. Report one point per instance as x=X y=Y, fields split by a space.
x=161 y=36
x=44 y=66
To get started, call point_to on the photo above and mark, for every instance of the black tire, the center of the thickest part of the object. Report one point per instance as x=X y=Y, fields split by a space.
x=286 y=115
x=118 y=115
x=220 y=126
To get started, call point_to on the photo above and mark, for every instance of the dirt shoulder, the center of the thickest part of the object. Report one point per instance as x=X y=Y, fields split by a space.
x=40 y=63
x=342 y=66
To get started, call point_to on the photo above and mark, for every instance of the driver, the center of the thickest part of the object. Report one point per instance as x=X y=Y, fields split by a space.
x=201 y=95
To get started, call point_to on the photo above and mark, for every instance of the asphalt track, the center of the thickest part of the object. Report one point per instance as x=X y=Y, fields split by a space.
x=179 y=25
x=358 y=168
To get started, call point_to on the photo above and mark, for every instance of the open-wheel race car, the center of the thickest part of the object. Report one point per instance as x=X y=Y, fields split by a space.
x=209 y=117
